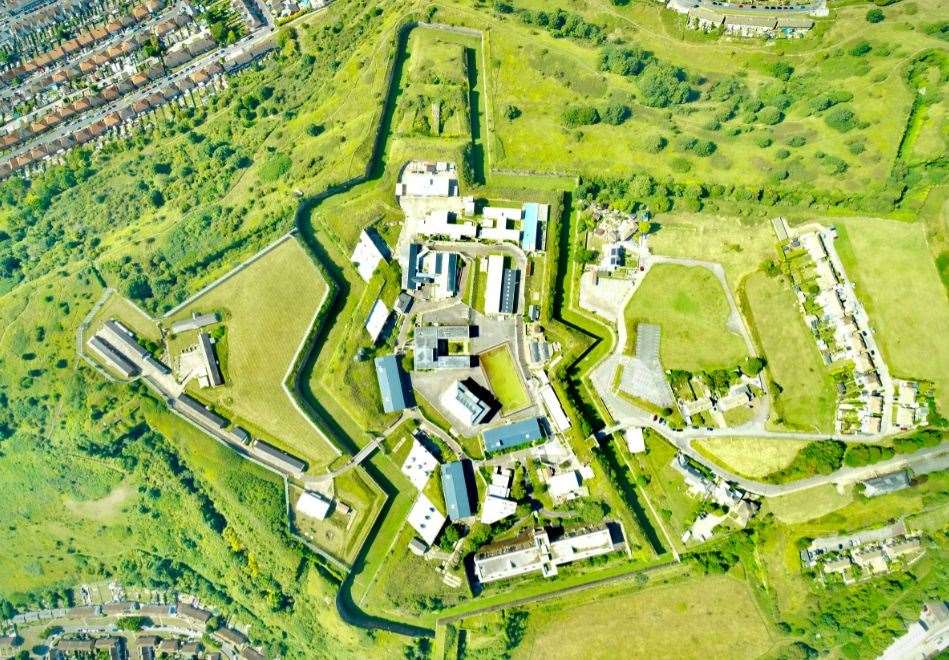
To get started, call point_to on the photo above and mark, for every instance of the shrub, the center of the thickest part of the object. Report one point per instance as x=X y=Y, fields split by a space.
x=797 y=141
x=782 y=70
x=781 y=154
x=655 y=144
x=695 y=145
x=503 y=7
x=875 y=16
x=624 y=60
x=841 y=119
x=663 y=85
x=616 y=113
x=860 y=48
x=770 y=116
x=580 y=115
x=763 y=140
x=512 y=112
x=680 y=165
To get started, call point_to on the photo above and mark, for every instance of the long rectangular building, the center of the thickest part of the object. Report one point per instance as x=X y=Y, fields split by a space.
x=494 y=285
x=191 y=408
x=112 y=357
x=210 y=360
x=513 y=435
x=125 y=340
x=279 y=459
x=392 y=389
x=196 y=322
x=456 y=489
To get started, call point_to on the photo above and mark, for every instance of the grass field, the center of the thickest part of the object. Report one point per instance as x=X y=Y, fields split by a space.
x=714 y=617
x=892 y=267
x=751 y=457
x=501 y=372
x=807 y=397
x=692 y=311
x=268 y=308
x=809 y=504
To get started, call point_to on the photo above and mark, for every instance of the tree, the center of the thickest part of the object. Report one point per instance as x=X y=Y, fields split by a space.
x=512 y=112
x=580 y=115
x=782 y=70
x=655 y=144
x=133 y=623
x=138 y=288
x=875 y=16
x=663 y=85
x=616 y=113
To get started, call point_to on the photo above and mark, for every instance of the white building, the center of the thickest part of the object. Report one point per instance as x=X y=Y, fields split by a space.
x=377 y=320
x=428 y=180
x=419 y=465
x=565 y=486
x=313 y=505
x=496 y=508
x=426 y=519
x=367 y=256
x=494 y=285
x=555 y=413
x=444 y=223
x=635 y=442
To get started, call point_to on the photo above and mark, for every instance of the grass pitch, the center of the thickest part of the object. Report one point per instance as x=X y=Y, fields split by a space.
x=267 y=310
x=498 y=366
x=690 y=307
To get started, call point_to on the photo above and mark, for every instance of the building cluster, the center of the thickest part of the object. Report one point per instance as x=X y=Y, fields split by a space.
x=542 y=550
x=925 y=638
x=768 y=21
x=118 y=348
x=740 y=507
x=116 y=67
x=841 y=328
x=176 y=631
x=863 y=554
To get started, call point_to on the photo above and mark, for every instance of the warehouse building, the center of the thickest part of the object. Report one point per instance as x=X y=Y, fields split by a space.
x=396 y=394
x=512 y=435
x=212 y=371
x=196 y=322
x=313 y=505
x=457 y=485
x=195 y=411
x=112 y=357
x=431 y=347
x=278 y=459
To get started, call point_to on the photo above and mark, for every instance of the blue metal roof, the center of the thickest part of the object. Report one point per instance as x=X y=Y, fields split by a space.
x=391 y=386
x=529 y=226
x=455 y=490
x=512 y=435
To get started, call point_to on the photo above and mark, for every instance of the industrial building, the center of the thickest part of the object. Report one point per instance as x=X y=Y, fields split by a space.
x=278 y=459
x=395 y=394
x=421 y=179
x=464 y=404
x=419 y=465
x=456 y=487
x=531 y=230
x=431 y=347
x=540 y=550
x=190 y=408
x=112 y=357
x=209 y=358
x=196 y=322
x=513 y=435
x=313 y=505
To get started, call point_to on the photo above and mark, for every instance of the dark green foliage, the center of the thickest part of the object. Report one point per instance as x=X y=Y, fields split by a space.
x=133 y=623
x=503 y=7
x=875 y=16
x=860 y=48
x=276 y=166
x=138 y=288
x=575 y=116
x=939 y=30
x=841 y=119
x=858 y=455
x=753 y=365
x=782 y=70
x=512 y=112
x=797 y=141
x=560 y=23
x=763 y=140
x=624 y=60
x=916 y=441
x=822 y=457
x=656 y=143
x=663 y=85
x=616 y=113
x=827 y=100
x=697 y=146
x=314 y=130
x=770 y=116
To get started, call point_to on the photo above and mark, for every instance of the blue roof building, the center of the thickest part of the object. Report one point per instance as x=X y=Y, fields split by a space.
x=530 y=224
x=513 y=435
x=455 y=487
x=392 y=387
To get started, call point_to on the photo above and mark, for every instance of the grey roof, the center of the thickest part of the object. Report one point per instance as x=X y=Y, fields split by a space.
x=472 y=403
x=195 y=322
x=403 y=303
x=128 y=342
x=392 y=386
x=190 y=407
x=252 y=654
x=193 y=612
x=888 y=483
x=231 y=635
x=279 y=459
x=456 y=491
x=410 y=280
x=210 y=358
x=512 y=435
x=428 y=352
x=241 y=433
x=116 y=360
x=509 y=291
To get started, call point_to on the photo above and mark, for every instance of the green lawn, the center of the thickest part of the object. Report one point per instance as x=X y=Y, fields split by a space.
x=893 y=269
x=501 y=372
x=267 y=309
x=691 y=309
x=807 y=397
x=751 y=457
x=712 y=617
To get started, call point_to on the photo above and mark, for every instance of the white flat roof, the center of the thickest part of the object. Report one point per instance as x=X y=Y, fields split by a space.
x=426 y=519
x=563 y=484
x=366 y=256
x=313 y=505
x=492 y=291
x=419 y=465
x=496 y=508
x=635 y=442
x=554 y=410
x=377 y=320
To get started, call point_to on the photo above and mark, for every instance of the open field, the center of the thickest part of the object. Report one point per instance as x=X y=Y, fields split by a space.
x=751 y=457
x=501 y=372
x=809 y=504
x=892 y=267
x=690 y=307
x=267 y=309
x=714 y=617
x=807 y=397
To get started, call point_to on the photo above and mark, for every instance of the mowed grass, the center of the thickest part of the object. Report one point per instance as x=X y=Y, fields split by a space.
x=501 y=372
x=712 y=617
x=267 y=308
x=751 y=457
x=690 y=307
x=807 y=397
x=896 y=278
